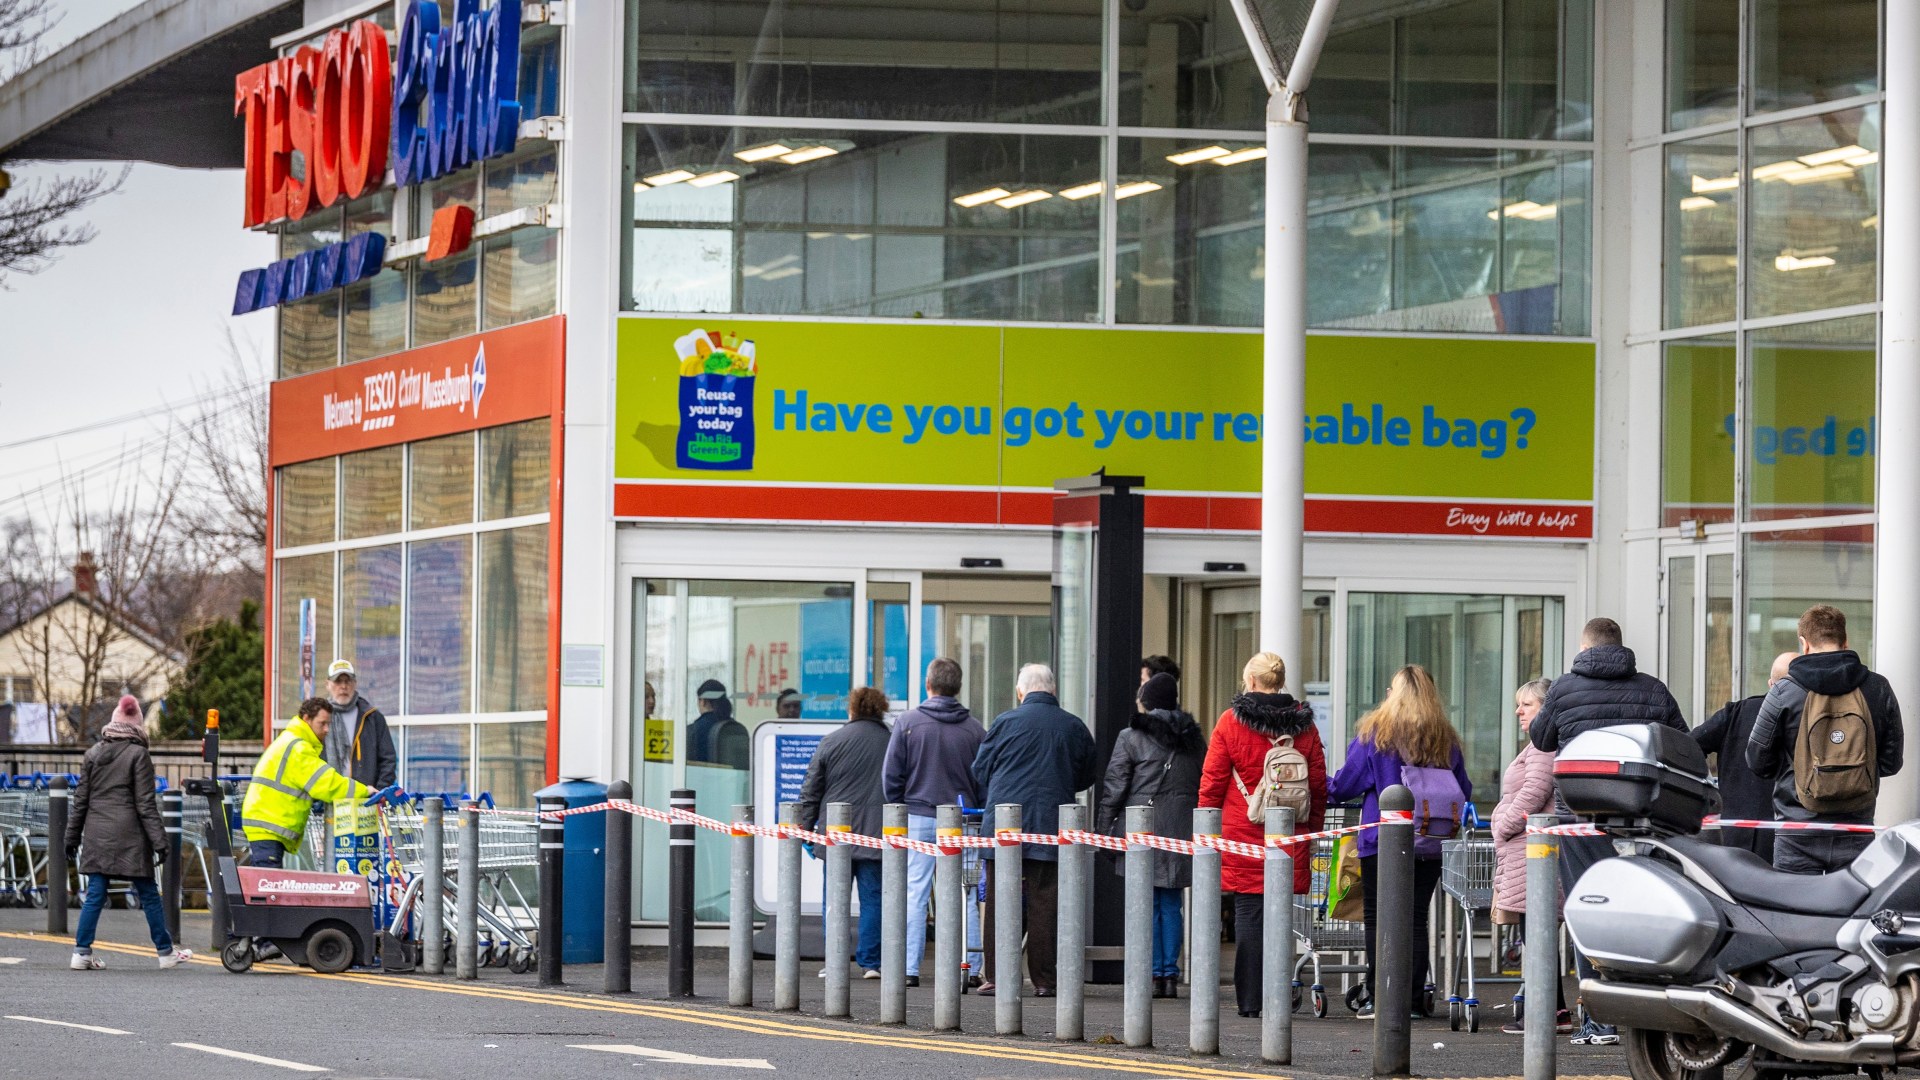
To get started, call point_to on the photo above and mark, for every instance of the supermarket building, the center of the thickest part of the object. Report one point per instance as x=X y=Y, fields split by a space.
x=744 y=341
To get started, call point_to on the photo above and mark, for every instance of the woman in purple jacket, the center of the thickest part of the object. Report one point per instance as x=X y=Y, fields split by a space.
x=1407 y=740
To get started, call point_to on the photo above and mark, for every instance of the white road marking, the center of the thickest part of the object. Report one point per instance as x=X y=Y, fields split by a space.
x=674 y=1057
x=257 y=1059
x=65 y=1024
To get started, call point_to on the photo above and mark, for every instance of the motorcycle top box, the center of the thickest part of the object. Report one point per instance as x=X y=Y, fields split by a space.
x=1637 y=776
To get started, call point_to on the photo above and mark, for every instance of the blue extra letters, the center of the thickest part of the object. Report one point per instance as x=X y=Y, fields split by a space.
x=310 y=273
x=455 y=88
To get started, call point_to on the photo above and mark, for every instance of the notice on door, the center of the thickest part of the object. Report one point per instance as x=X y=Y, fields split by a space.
x=659 y=745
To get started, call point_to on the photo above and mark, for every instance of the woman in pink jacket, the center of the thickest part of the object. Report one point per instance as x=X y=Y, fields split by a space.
x=1525 y=789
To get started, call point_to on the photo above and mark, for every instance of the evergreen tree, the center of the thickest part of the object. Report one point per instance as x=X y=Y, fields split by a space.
x=226 y=670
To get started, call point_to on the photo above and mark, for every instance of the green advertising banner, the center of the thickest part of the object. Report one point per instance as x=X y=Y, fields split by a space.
x=1013 y=408
x=1811 y=442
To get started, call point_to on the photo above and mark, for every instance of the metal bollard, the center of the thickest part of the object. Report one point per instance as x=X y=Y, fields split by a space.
x=433 y=889
x=466 y=946
x=171 y=812
x=893 y=917
x=57 y=856
x=740 y=910
x=949 y=922
x=1009 y=925
x=786 y=934
x=1070 y=1006
x=680 y=897
x=1276 y=945
x=553 y=869
x=1393 y=933
x=1203 y=971
x=617 y=920
x=1541 y=962
x=839 y=817
x=1137 y=966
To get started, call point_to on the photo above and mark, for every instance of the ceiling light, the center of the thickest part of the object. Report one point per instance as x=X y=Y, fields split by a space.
x=819 y=236
x=783 y=272
x=1251 y=153
x=1525 y=209
x=762 y=153
x=808 y=153
x=859 y=236
x=1818 y=173
x=718 y=176
x=1022 y=198
x=1081 y=191
x=1864 y=160
x=1138 y=187
x=1872 y=222
x=978 y=197
x=1696 y=202
x=1204 y=153
x=671 y=176
x=1702 y=185
x=1795 y=262
x=1828 y=157
x=1777 y=169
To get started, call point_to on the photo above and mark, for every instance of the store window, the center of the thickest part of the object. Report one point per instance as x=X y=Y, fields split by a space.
x=1034 y=61
x=370 y=619
x=440 y=626
x=1813 y=431
x=514 y=472
x=306 y=493
x=375 y=310
x=513 y=620
x=371 y=492
x=903 y=224
x=307 y=577
x=1789 y=571
x=1809 y=51
x=1813 y=240
x=1478 y=648
x=1702 y=230
x=1703 y=62
x=436 y=758
x=521 y=274
x=441 y=481
x=510 y=761
x=1696 y=430
x=445 y=299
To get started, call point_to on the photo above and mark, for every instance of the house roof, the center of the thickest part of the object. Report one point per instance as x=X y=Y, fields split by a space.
x=141 y=632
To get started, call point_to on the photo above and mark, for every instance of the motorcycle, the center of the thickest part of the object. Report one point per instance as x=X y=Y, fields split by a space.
x=1712 y=962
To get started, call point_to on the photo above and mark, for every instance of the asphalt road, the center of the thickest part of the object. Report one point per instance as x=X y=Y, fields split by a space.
x=194 y=1021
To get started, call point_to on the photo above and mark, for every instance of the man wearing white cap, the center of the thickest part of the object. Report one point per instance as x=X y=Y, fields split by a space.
x=359 y=743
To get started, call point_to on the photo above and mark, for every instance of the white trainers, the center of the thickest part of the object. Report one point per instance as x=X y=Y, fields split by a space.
x=175 y=958
x=870 y=974
x=86 y=962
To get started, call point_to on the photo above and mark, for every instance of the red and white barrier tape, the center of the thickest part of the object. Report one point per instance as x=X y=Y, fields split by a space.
x=1583 y=829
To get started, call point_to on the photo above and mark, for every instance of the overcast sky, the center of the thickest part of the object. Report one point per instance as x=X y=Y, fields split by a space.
x=135 y=320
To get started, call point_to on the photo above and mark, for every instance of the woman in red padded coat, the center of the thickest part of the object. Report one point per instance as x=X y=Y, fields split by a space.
x=1236 y=756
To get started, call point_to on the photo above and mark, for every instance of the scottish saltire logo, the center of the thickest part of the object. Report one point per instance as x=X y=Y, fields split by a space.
x=479 y=377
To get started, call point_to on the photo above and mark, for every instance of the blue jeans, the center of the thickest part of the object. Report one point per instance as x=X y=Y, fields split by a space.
x=1167 y=932
x=920 y=892
x=866 y=882
x=149 y=894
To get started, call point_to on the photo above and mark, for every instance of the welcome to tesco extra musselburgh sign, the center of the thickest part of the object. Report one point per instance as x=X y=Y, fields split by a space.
x=323 y=124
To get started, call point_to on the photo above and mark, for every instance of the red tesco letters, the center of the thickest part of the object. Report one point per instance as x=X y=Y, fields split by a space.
x=330 y=106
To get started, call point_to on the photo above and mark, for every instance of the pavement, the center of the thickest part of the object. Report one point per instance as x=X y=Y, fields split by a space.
x=202 y=1022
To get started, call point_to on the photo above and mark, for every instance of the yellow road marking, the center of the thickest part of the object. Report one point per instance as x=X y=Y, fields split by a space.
x=737 y=1021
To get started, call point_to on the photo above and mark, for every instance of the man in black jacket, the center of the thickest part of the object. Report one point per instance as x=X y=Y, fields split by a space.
x=1604 y=689
x=1039 y=755
x=359 y=744
x=846 y=768
x=1826 y=666
x=1742 y=794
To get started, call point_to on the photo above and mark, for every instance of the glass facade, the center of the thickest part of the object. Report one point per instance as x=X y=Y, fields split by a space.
x=925 y=199
x=442 y=611
x=1770 y=290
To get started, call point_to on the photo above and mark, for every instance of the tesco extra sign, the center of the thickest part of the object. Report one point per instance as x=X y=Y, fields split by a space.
x=323 y=124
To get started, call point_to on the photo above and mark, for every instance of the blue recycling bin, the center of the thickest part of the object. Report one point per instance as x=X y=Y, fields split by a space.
x=583 y=901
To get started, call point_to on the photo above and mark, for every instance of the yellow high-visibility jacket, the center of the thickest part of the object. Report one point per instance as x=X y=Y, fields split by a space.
x=290 y=776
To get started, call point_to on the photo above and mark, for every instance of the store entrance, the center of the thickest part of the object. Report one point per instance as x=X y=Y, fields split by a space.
x=1698 y=630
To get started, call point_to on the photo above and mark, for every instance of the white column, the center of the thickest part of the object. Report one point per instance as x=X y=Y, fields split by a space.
x=1284 y=388
x=1896 y=582
x=589 y=279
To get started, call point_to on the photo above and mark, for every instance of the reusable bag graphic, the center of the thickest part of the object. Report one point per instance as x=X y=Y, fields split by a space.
x=716 y=402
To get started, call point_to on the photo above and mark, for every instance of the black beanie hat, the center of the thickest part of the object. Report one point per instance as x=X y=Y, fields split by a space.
x=1160 y=692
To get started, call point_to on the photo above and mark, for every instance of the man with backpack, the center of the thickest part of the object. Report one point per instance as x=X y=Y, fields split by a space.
x=1604 y=689
x=1825 y=736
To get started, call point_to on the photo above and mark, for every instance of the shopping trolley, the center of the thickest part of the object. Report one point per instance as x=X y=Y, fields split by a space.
x=1466 y=878
x=1317 y=935
x=23 y=863
x=508 y=926
x=973 y=887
